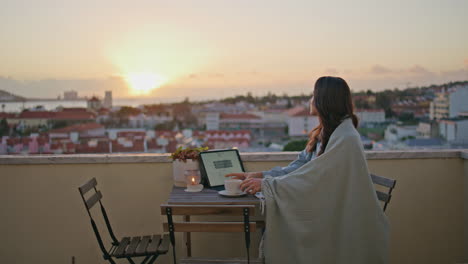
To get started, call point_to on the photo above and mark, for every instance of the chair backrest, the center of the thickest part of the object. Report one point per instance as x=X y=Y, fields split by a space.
x=387 y=183
x=89 y=189
x=227 y=210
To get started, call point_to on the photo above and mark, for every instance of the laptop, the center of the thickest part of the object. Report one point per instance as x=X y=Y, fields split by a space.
x=215 y=164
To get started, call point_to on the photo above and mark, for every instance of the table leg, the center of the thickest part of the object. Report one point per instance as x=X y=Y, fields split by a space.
x=187 y=238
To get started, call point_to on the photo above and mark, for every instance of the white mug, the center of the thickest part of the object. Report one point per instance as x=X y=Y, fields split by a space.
x=232 y=186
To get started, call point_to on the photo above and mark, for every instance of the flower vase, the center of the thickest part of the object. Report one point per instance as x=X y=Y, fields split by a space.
x=178 y=169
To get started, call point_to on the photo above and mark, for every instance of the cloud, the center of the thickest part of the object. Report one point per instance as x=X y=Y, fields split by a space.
x=380 y=77
x=380 y=70
x=51 y=88
x=214 y=84
x=419 y=70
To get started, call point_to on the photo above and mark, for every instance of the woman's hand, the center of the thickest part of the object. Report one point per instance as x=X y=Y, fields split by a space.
x=251 y=185
x=245 y=175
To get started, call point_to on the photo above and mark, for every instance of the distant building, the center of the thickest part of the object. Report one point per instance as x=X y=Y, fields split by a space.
x=70 y=95
x=212 y=121
x=77 y=131
x=44 y=118
x=300 y=121
x=418 y=106
x=79 y=138
x=148 y=121
x=32 y=118
x=395 y=133
x=428 y=129
x=94 y=104
x=450 y=103
x=424 y=143
x=107 y=100
x=201 y=112
x=371 y=115
x=368 y=99
x=240 y=122
x=454 y=130
x=7 y=116
x=25 y=145
x=275 y=124
x=222 y=139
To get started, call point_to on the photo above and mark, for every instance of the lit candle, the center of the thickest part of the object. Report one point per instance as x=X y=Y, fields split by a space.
x=192 y=179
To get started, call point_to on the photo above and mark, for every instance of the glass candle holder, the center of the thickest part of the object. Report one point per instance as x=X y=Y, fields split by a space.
x=192 y=179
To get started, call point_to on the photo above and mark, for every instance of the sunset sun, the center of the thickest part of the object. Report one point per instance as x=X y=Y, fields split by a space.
x=144 y=83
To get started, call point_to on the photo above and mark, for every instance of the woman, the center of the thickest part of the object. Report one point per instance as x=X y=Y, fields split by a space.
x=322 y=208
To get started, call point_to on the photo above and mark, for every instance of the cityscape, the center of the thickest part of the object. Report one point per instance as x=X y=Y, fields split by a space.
x=433 y=117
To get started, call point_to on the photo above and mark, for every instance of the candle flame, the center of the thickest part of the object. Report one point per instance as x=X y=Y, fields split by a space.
x=193 y=180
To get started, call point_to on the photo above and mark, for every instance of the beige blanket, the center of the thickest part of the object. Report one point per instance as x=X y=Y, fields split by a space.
x=326 y=211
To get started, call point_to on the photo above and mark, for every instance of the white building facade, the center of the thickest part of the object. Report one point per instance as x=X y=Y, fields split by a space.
x=212 y=121
x=371 y=115
x=450 y=104
x=395 y=133
x=107 y=100
x=300 y=122
x=149 y=121
x=455 y=131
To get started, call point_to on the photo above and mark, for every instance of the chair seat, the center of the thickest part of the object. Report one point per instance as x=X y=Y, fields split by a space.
x=141 y=246
x=217 y=260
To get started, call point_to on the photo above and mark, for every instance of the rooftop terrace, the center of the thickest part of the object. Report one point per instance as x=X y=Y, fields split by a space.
x=44 y=221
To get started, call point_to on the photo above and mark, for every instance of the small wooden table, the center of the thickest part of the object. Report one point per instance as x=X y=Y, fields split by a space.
x=205 y=197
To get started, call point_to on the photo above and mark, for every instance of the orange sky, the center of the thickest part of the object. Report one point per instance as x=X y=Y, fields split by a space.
x=220 y=48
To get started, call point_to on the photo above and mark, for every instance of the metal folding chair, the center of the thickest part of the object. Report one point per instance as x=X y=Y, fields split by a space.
x=149 y=247
x=385 y=182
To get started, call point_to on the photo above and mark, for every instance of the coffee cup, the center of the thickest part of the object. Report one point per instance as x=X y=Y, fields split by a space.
x=232 y=186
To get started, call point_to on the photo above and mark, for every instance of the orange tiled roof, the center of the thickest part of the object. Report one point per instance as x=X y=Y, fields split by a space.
x=78 y=128
x=131 y=133
x=239 y=116
x=62 y=115
x=219 y=132
x=74 y=115
x=36 y=114
x=7 y=115
x=74 y=109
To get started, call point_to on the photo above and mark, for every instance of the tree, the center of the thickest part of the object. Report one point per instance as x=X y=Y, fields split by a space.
x=383 y=100
x=295 y=145
x=361 y=104
x=122 y=116
x=289 y=103
x=126 y=111
x=406 y=117
x=250 y=99
x=59 y=124
x=4 y=129
x=166 y=126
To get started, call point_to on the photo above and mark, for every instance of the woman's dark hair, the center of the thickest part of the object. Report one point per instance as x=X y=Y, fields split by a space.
x=332 y=99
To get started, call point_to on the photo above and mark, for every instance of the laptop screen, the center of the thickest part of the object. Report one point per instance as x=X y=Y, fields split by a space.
x=217 y=163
